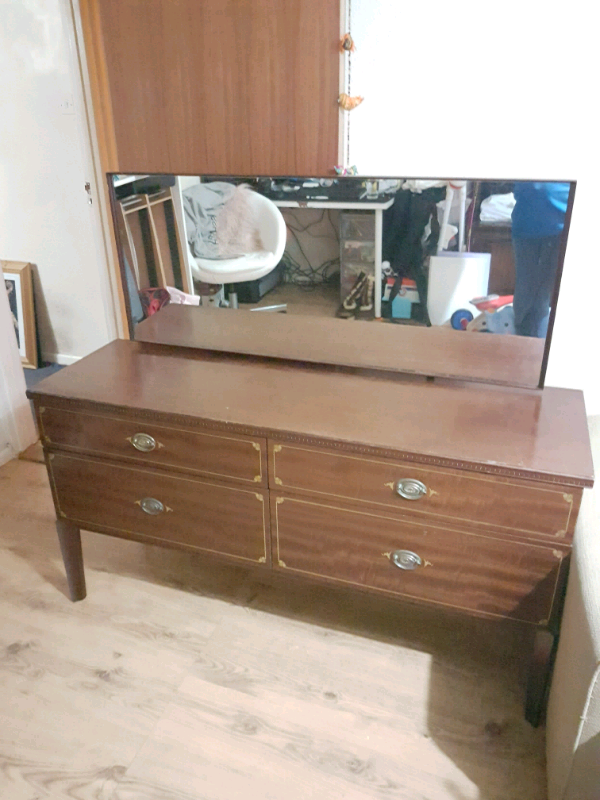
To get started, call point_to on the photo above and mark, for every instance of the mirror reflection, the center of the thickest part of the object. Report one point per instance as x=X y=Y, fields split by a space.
x=478 y=257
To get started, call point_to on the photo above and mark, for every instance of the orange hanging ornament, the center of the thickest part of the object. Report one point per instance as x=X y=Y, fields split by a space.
x=347 y=44
x=348 y=103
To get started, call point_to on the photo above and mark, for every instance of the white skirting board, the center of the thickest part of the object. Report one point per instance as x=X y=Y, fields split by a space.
x=59 y=358
x=6 y=454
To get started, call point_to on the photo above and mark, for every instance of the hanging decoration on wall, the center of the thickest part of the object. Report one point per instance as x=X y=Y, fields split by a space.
x=346 y=100
x=348 y=103
x=347 y=44
x=340 y=169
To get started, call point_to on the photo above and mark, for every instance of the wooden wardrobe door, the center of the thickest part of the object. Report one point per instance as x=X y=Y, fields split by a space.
x=216 y=86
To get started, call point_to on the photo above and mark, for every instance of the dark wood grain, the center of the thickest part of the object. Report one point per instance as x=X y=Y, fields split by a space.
x=206 y=515
x=232 y=457
x=480 y=574
x=537 y=435
x=538 y=679
x=219 y=86
x=69 y=538
x=439 y=351
x=99 y=84
x=497 y=240
x=454 y=497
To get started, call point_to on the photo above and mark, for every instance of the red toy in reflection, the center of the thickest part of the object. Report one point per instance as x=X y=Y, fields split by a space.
x=492 y=302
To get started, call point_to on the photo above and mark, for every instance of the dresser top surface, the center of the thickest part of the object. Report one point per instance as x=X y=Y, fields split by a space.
x=531 y=433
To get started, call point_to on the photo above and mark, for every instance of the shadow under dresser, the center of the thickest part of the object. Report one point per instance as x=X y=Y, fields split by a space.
x=446 y=493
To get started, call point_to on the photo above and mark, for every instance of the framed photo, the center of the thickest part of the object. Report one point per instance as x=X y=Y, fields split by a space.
x=19 y=287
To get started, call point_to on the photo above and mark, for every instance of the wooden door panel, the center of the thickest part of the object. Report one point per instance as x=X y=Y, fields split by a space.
x=221 y=86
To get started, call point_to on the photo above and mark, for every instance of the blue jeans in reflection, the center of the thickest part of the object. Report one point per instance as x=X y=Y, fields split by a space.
x=536 y=261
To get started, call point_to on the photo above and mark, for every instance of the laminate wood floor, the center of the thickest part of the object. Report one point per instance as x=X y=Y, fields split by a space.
x=320 y=301
x=176 y=680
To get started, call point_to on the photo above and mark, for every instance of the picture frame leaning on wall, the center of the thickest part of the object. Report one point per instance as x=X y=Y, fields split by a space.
x=18 y=283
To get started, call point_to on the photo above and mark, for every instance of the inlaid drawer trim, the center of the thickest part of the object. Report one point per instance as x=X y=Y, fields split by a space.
x=140 y=457
x=278 y=562
x=422 y=459
x=413 y=506
x=260 y=497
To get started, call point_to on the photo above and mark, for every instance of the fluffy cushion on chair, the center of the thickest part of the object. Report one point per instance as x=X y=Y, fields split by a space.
x=221 y=220
x=573 y=720
x=237 y=225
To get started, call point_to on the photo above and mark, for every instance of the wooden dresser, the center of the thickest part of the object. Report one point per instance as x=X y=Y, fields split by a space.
x=453 y=494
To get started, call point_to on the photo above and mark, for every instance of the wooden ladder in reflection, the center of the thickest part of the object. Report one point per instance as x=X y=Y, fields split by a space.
x=152 y=240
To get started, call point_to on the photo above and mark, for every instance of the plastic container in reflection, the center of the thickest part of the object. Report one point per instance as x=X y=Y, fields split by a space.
x=454 y=280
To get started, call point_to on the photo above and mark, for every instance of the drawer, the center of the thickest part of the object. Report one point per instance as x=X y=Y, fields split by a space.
x=445 y=496
x=220 y=455
x=167 y=509
x=480 y=574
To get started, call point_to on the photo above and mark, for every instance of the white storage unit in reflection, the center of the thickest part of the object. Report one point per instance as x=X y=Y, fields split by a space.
x=454 y=280
x=357 y=248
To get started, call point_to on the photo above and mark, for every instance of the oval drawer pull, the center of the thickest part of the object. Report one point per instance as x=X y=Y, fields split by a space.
x=410 y=489
x=405 y=559
x=143 y=442
x=151 y=506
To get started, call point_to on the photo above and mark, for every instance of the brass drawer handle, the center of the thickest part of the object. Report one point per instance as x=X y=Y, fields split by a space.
x=151 y=506
x=406 y=559
x=143 y=442
x=410 y=489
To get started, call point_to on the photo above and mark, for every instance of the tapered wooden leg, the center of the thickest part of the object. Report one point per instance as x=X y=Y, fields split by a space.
x=540 y=670
x=70 y=547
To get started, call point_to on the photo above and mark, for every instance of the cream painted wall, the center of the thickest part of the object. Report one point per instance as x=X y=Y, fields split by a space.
x=44 y=163
x=502 y=90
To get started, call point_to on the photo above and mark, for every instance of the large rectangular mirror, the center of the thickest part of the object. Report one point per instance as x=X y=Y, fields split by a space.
x=460 y=276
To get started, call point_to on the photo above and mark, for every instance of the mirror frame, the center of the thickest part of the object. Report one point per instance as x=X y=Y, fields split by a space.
x=424 y=372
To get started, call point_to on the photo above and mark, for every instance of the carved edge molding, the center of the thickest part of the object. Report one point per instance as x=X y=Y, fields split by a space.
x=284 y=436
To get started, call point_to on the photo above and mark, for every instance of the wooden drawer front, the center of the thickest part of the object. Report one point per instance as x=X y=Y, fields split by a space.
x=223 y=456
x=481 y=574
x=497 y=504
x=201 y=514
